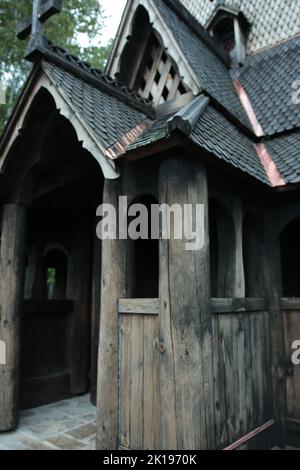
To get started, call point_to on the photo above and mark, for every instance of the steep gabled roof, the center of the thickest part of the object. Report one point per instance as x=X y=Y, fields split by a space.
x=202 y=64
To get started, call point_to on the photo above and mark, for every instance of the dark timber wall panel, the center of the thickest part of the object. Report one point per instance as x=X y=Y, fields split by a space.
x=242 y=374
x=139 y=382
x=292 y=333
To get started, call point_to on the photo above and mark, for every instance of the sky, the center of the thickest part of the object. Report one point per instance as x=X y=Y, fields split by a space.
x=113 y=10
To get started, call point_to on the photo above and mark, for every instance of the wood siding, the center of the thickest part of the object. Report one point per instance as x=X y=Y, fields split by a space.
x=139 y=416
x=292 y=333
x=242 y=371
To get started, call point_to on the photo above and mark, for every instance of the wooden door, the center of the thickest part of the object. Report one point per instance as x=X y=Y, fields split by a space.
x=139 y=420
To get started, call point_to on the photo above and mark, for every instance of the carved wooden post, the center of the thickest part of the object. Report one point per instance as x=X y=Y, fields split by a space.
x=113 y=288
x=11 y=297
x=186 y=377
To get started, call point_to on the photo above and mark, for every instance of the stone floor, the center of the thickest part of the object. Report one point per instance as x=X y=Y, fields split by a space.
x=66 y=425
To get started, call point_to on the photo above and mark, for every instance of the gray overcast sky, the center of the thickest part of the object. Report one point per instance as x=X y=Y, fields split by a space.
x=114 y=10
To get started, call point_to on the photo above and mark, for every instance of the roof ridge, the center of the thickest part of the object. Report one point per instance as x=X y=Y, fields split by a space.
x=41 y=47
x=273 y=47
x=186 y=118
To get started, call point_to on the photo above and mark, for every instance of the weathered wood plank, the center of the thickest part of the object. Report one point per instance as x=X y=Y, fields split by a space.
x=291 y=304
x=12 y=264
x=249 y=365
x=125 y=325
x=242 y=375
x=137 y=408
x=138 y=306
x=276 y=334
x=292 y=333
x=219 y=388
x=185 y=320
x=226 y=328
x=151 y=429
x=168 y=425
x=241 y=361
x=233 y=306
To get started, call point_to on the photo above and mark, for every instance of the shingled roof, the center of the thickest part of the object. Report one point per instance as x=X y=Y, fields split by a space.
x=212 y=132
x=268 y=77
x=285 y=152
x=213 y=74
x=107 y=115
x=122 y=121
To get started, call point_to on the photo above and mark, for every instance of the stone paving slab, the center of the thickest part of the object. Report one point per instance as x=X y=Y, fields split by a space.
x=66 y=425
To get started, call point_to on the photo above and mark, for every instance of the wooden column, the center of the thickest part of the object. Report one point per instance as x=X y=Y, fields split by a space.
x=78 y=289
x=186 y=377
x=96 y=313
x=12 y=261
x=113 y=288
x=239 y=287
x=273 y=277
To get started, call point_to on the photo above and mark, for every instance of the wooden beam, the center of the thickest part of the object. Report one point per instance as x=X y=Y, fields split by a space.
x=237 y=306
x=139 y=306
x=290 y=304
x=13 y=246
x=113 y=287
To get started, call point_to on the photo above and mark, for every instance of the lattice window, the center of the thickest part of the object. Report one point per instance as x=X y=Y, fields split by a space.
x=144 y=64
x=161 y=81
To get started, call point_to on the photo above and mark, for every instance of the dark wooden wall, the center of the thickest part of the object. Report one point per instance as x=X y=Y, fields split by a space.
x=204 y=364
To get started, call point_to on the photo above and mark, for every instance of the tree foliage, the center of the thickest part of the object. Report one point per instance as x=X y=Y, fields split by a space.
x=78 y=17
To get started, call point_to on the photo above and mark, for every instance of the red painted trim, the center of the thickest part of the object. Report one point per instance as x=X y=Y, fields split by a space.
x=269 y=165
x=244 y=98
x=119 y=148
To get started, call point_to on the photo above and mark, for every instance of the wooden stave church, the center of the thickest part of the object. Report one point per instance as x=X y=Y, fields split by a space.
x=193 y=352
